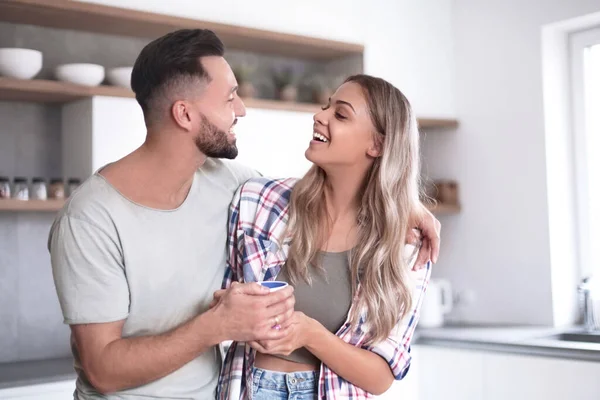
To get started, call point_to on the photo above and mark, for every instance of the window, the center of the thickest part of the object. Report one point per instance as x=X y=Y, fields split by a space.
x=585 y=76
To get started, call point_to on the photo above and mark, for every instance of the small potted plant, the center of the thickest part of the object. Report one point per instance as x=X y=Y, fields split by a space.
x=285 y=85
x=243 y=75
x=319 y=89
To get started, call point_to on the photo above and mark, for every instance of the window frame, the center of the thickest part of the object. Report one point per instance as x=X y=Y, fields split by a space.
x=578 y=43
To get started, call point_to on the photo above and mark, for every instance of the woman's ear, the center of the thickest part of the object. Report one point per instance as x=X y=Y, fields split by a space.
x=376 y=147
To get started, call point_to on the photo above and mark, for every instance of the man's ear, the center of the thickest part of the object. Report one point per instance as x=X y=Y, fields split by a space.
x=180 y=111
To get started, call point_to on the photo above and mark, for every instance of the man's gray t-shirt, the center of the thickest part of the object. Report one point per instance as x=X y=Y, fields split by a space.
x=114 y=259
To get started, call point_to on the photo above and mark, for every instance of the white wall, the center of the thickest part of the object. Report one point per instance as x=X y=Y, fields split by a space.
x=99 y=131
x=499 y=245
x=407 y=42
x=410 y=43
x=275 y=148
x=118 y=129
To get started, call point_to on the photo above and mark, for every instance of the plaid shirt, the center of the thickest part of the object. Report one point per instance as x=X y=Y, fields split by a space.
x=258 y=218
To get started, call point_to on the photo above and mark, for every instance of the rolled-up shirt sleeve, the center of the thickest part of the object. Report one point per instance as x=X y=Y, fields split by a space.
x=396 y=348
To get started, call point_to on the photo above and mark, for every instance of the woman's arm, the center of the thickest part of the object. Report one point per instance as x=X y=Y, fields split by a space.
x=372 y=368
x=360 y=367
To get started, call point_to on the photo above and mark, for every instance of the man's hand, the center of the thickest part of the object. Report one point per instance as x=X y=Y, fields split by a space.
x=297 y=335
x=248 y=312
x=429 y=228
x=216 y=297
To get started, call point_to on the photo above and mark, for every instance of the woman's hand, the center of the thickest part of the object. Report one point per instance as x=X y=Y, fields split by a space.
x=429 y=228
x=216 y=297
x=299 y=329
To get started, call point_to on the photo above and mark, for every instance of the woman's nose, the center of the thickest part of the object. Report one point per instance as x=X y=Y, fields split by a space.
x=320 y=117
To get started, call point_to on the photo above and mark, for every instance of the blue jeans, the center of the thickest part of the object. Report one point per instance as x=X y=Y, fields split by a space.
x=271 y=385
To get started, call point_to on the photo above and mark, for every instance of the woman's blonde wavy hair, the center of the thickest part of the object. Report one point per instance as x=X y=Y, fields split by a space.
x=390 y=194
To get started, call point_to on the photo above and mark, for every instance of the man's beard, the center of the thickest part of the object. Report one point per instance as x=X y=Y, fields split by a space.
x=213 y=143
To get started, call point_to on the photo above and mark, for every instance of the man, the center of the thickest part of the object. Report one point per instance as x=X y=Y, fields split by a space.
x=139 y=249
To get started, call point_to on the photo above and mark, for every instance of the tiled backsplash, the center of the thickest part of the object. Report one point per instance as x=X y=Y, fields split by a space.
x=31 y=323
x=29 y=140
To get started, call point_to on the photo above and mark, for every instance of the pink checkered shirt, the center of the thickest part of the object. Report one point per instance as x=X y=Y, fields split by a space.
x=257 y=222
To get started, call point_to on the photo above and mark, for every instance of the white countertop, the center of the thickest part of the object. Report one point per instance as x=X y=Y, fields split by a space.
x=26 y=373
x=512 y=339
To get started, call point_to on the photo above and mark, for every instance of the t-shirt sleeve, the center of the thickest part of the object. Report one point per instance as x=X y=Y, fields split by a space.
x=242 y=172
x=88 y=270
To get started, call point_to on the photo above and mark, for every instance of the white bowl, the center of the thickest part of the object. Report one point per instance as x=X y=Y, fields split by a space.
x=20 y=63
x=120 y=76
x=81 y=74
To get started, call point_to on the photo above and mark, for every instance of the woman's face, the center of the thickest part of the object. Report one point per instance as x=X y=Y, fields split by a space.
x=343 y=134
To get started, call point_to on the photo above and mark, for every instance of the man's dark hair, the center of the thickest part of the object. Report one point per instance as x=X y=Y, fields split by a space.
x=169 y=61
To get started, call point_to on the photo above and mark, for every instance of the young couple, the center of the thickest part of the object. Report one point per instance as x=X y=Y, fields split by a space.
x=137 y=266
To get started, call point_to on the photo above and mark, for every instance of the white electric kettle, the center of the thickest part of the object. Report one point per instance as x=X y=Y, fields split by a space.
x=436 y=304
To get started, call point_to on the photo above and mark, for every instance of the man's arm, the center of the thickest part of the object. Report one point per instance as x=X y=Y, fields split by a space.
x=93 y=291
x=112 y=363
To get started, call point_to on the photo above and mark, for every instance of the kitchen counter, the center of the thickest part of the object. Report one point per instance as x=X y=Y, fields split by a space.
x=511 y=339
x=25 y=373
x=505 y=339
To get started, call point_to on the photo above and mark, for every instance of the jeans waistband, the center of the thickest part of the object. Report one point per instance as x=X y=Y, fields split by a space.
x=304 y=380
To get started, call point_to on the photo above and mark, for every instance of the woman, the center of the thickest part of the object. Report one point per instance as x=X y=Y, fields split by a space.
x=337 y=235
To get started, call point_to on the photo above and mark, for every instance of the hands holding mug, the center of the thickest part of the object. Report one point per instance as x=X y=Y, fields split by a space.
x=254 y=312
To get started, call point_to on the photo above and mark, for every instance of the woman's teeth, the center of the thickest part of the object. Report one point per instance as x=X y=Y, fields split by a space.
x=319 y=137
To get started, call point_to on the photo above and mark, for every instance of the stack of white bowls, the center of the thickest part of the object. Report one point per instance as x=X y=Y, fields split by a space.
x=93 y=74
x=22 y=63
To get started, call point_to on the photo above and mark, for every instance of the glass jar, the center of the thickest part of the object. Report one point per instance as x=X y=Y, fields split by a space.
x=4 y=188
x=57 y=189
x=72 y=184
x=20 y=189
x=38 y=189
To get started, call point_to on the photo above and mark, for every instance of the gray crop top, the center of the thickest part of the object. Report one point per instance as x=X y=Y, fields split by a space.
x=328 y=300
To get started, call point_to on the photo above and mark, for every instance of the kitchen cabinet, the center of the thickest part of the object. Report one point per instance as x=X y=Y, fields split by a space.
x=48 y=391
x=97 y=131
x=449 y=374
x=407 y=388
x=455 y=374
x=102 y=129
x=518 y=377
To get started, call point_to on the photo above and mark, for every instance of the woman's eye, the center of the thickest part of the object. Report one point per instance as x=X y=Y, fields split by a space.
x=339 y=116
x=324 y=107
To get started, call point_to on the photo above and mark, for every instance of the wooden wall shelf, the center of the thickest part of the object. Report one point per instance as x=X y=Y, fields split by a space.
x=438 y=123
x=73 y=15
x=31 y=205
x=445 y=209
x=46 y=91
